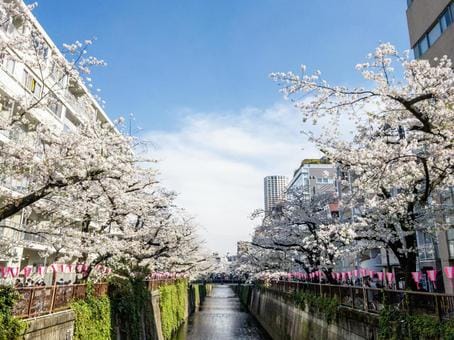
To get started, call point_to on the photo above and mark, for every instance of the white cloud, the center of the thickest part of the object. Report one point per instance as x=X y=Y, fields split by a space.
x=217 y=161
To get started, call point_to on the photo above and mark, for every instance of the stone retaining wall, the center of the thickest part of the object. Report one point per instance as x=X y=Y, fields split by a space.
x=283 y=320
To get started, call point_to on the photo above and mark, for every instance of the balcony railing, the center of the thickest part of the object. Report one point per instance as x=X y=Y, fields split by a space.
x=373 y=300
x=35 y=301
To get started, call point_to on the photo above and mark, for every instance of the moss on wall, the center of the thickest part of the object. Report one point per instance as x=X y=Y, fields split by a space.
x=92 y=317
x=395 y=324
x=173 y=305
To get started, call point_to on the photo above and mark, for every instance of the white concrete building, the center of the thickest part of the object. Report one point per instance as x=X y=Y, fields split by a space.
x=71 y=105
x=313 y=177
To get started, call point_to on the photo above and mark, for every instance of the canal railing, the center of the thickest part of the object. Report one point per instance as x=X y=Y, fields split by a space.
x=41 y=300
x=155 y=284
x=373 y=300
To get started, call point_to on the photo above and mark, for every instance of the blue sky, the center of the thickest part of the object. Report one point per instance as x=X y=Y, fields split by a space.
x=215 y=55
x=195 y=75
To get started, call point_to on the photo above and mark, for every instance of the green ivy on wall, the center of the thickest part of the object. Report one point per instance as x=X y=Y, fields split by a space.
x=130 y=304
x=92 y=317
x=173 y=305
x=395 y=325
x=11 y=328
x=325 y=306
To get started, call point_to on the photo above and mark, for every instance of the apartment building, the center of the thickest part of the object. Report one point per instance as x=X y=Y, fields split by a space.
x=431 y=30
x=68 y=105
x=313 y=177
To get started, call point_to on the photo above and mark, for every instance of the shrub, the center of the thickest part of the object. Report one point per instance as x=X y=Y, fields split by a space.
x=10 y=327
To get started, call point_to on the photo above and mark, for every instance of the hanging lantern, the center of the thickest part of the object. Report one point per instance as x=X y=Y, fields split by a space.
x=390 y=277
x=449 y=271
x=416 y=277
x=380 y=276
x=432 y=275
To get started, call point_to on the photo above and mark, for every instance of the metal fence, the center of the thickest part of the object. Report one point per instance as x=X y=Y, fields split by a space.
x=36 y=301
x=373 y=300
x=154 y=284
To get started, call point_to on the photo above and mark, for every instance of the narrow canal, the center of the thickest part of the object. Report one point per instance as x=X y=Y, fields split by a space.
x=221 y=317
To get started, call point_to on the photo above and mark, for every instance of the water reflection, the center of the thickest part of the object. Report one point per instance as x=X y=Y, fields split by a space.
x=221 y=318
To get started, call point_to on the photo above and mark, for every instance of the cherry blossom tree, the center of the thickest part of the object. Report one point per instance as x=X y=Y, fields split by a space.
x=401 y=151
x=302 y=232
x=87 y=192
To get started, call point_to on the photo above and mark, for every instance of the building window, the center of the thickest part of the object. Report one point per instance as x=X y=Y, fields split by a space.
x=31 y=84
x=426 y=246
x=435 y=33
x=55 y=106
x=451 y=243
x=429 y=38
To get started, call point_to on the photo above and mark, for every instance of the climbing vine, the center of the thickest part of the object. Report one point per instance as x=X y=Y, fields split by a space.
x=11 y=328
x=92 y=317
x=325 y=306
x=173 y=306
x=395 y=325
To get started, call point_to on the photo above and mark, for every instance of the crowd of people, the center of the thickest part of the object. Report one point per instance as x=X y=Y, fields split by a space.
x=38 y=283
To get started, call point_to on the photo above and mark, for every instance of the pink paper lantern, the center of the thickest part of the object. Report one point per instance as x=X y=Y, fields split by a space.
x=416 y=277
x=344 y=275
x=27 y=270
x=363 y=272
x=390 y=277
x=355 y=272
x=371 y=274
x=432 y=275
x=41 y=270
x=333 y=275
x=349 y=274
x=13 y=271
x=338 y=276
x=449 y=271
x=380 y=276
x=3 y=272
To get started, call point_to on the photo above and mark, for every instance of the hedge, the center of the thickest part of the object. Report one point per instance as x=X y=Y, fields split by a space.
x=11 y=328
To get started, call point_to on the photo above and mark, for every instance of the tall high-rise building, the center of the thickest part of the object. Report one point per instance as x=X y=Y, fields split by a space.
x=274 y=191
x=430 y=24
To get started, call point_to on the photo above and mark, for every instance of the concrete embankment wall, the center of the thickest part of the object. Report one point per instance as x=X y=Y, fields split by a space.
x=282 y=319
x=49 y=327
x=60 y=326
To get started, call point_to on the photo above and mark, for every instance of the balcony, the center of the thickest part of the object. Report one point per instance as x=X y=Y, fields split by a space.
x=15 y=232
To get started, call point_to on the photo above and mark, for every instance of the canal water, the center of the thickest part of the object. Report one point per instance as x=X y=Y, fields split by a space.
x=221 y=317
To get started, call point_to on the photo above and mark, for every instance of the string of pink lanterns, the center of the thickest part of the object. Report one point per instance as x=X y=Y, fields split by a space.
x=432 y=275
x=41 y=270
